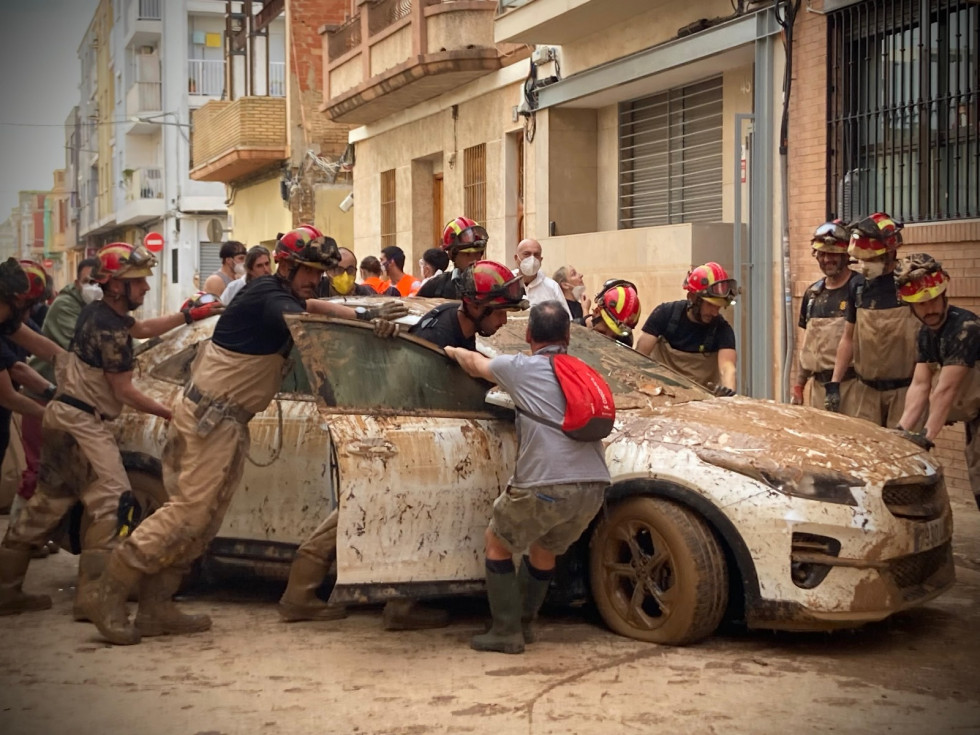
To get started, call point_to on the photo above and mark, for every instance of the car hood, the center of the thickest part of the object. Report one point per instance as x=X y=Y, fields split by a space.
x=756 y=438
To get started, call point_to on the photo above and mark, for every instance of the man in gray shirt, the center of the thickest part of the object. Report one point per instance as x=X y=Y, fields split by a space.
x=557 y=486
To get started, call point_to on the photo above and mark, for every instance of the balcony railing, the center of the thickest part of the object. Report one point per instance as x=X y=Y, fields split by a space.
x=206 y=77
x=144 y=183
x=143 y=97
x=234 y=139
x=384 y=13
x=149 y=10
x=277 y=78
x=345 y=38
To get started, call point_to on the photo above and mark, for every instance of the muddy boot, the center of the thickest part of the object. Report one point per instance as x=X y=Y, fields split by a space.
x=158 y=614
x=110 y=615
x=534 y=585
x=13 y=569
x=405 y=614
x=504 y=594
x=91 y=565
x=299 y=601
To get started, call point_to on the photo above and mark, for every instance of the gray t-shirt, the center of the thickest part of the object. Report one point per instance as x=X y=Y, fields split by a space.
x=545 y=455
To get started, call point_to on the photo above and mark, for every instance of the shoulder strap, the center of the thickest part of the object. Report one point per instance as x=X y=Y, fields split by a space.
x=535 y=417
x=675 y=319
x=811 y=296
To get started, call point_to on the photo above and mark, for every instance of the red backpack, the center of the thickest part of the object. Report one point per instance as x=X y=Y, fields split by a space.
x=589 y=407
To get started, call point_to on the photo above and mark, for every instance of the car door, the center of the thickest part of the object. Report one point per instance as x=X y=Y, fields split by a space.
x=421 y=456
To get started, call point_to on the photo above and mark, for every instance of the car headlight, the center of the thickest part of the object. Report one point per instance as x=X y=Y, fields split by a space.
x=812 y=483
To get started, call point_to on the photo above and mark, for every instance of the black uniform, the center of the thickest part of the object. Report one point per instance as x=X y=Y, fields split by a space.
x=441 y=286
x=666 y=322
x=441 y=327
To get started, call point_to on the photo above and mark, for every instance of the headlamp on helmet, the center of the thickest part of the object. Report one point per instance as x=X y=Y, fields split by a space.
x=874 y=236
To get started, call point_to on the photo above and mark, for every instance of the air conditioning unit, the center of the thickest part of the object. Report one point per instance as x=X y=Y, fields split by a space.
x=848 y=193
x=147 y=50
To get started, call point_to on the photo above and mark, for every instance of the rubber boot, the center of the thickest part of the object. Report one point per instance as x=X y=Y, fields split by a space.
x=91 y=565
x=13 y=569
x=158 y=614
x=110 y=615
x=299 y=601
x=406 y=614
x=534 y=585
x=504 y=594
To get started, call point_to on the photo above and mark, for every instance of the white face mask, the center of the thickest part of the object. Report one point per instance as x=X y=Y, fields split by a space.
x=530 y=266
x=91 y=292
x=578 y=292
x=239 y=269
x=870 y=269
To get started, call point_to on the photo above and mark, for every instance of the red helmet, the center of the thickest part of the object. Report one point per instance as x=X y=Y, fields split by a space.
x=619 y=306
x=711 y=282
x=306 y=245
x=920 y=277
x=874 y=235
x=463 y=234
x=122 y=260
x=37 y=282
x=831 y=237
x=488 y=283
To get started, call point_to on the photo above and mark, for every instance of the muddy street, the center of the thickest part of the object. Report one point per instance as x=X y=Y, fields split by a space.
x=916 y=672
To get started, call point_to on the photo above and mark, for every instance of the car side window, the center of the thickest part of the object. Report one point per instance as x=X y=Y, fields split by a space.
x=354 y=371
x=295 y=380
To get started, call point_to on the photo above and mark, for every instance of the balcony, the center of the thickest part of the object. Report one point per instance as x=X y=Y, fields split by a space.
x=142 y=23
x=234 y=139
x=397 y=53
x=562 y=21
x=143 y=99
x=206 y=77
x=144 y=196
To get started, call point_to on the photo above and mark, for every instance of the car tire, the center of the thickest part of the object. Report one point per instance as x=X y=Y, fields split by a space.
x=657 y=572
x=148 y=490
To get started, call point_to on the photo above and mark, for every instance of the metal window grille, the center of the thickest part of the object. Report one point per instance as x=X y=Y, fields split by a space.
x=475 y=183
x=904 y=94
x=670 y=157
x=388 y=226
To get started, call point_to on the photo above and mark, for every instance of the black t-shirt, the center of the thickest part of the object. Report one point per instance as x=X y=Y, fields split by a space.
x=820 y=302
x=441 y=286
x=102 y=338
x=11 y=352
x=957 y=342
x=10 y=326
x=441 y=327
x=253 y=324
x=875 y=294
x=669 y=321
x=575 y=308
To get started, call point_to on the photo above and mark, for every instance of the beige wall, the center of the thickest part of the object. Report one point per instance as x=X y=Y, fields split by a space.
x=259 y=213
x=329 y=219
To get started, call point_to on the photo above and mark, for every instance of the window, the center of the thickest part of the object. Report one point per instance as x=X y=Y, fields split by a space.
x=388 y=210
x=475 y=183
x=670 y=157
x=903 y=110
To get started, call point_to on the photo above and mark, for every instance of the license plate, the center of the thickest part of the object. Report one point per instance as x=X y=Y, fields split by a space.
x=933 y=533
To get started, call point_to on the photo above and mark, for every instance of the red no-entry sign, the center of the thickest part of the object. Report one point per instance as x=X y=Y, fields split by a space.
x=48 y=263
x=153 y=242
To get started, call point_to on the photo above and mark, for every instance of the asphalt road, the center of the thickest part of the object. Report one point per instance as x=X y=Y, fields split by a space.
x=918 y=672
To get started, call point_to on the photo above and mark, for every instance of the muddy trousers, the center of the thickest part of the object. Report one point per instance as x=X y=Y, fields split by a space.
x=881 y=407
x=30 y=435
x=201 y=475
x=848 y=396
x=973 y=455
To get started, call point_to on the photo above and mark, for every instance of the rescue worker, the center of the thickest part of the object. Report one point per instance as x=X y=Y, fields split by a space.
x=235 y=376
x=555 y=492
x=232 y=254
x=946 y=382
x=823 y=316
x=616 y=311
x=466 y=242
x=79 y=456
x=537 y=285
x=488 y=292
x=691 y=336
x=881 y=331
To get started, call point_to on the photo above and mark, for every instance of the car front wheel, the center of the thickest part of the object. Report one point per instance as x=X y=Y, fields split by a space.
x=658 y=572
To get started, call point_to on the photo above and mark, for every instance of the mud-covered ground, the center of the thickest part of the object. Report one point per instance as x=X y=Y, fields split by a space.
x=918 y=672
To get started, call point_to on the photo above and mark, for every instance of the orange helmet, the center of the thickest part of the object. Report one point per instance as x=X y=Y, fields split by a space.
x=711 y=282
x=874 y=235
x=619 y=306
x=37 y=282
x=920 y=277
x=488 y=283
x=464 y=234
x=122 y=260
x=831 y=237
x=306 y=245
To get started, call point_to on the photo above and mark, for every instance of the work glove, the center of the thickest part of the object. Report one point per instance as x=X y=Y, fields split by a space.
x=723 y=391
x=832 y=401
x=917 y=437
x=796 y=395
x=384 y=329
x=390 y=311
x=197 y=313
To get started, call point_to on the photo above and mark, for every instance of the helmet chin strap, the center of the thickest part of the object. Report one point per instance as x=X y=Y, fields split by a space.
x=695 y=307
x=477 y=321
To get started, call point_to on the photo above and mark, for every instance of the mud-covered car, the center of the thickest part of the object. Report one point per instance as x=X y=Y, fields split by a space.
x=785 y=517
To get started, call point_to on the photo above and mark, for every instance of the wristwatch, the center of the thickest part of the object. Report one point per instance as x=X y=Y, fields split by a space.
x=49 y=392
x=362 y=313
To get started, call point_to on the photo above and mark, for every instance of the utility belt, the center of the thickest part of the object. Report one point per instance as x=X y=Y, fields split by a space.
x=79 y=404
x=826 y=376
x=883 y=385
x=210 y=412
